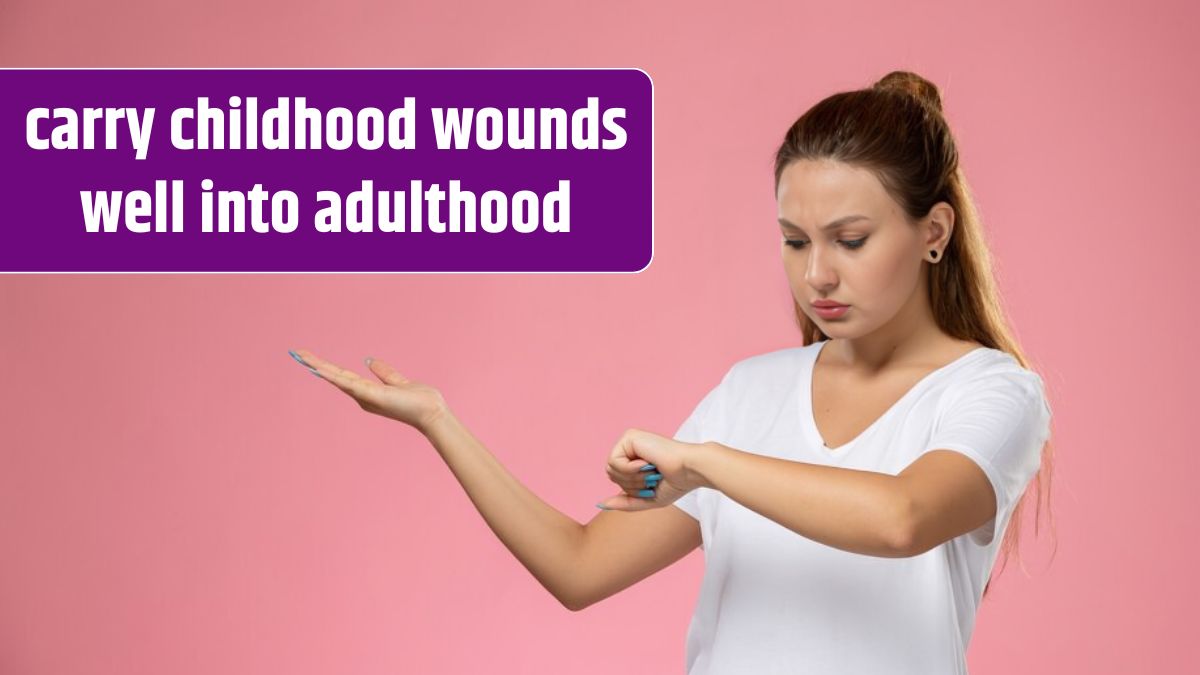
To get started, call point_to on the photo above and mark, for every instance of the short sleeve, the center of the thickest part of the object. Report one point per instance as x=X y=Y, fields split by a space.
x=1001 y=421
x=697 y=429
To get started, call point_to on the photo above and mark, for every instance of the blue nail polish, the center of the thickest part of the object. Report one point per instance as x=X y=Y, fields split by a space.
x=298 y=359
x=315 y=373
x=654 y=476
x=600 y=506
x=648 y=467
x=646 y=493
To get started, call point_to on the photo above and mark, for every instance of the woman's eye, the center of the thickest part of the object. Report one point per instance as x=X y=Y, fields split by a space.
x=799 y=243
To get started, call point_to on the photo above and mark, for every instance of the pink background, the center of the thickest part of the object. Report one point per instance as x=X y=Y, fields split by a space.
x=178 y=496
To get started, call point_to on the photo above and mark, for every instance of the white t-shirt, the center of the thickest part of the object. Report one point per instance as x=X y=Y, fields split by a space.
x=773 y=601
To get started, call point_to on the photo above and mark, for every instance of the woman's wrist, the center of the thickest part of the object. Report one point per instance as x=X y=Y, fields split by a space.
x=437 y=418
x=698 y=460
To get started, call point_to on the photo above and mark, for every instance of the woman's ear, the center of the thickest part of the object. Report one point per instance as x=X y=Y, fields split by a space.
x=939 y=225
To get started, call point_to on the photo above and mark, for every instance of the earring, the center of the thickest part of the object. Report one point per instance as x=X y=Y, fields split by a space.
x=934 y=253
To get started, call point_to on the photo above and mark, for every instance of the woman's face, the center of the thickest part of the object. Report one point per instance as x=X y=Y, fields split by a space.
x=873 y=264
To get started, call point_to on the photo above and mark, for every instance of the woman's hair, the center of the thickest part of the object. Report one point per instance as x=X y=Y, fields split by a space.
x=896 y=130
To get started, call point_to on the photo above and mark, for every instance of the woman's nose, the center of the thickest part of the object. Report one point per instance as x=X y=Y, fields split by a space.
x=818 y=272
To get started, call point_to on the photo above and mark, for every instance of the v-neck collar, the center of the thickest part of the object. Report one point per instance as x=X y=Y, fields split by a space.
x=808 y=417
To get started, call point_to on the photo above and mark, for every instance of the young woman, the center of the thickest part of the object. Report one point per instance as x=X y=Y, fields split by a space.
x=851 y=495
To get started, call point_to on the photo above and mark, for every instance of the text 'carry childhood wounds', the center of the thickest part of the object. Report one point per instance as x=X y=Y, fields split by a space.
x=290 y=124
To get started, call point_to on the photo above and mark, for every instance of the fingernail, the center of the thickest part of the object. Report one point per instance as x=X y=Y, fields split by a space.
x=298 y=359
x=646 y=493
x=601 y=506
x=368 y=361
x=654 y=476
x=648 y=467
x=315 y=373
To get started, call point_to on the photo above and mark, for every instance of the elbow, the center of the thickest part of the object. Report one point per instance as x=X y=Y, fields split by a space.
x=574 y=604
x=572 y=595
x=902 y=544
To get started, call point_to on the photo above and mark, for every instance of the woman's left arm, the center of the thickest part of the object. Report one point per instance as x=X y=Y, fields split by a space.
x=850 y=509
x=939 y=496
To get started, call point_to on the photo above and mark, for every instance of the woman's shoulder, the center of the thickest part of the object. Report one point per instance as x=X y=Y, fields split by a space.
x=992 y=361
x=774 y=361
x=768 y=373
x=986 y=368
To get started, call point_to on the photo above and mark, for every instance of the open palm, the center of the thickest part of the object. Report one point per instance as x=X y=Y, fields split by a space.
x=393 y=396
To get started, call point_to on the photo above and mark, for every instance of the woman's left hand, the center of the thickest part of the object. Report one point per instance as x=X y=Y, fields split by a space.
x=667 y=479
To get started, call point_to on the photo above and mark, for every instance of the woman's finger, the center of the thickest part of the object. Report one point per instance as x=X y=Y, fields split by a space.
x=321 y=365
x=623 y=476
x=384 y=371
x=360 y=388
x=619 y=460
x=330 y=370
x=634 y=483
x=626 y=503
x=634 y=480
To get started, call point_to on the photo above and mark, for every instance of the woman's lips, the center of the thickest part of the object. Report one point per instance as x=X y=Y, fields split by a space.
x=830 y=312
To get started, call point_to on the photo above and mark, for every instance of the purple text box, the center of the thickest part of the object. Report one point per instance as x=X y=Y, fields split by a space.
x=577 y=197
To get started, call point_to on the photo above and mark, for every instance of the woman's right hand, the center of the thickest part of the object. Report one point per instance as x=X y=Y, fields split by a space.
x=395 y=396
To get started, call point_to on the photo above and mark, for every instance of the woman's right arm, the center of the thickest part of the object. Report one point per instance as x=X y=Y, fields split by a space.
x=579 y=564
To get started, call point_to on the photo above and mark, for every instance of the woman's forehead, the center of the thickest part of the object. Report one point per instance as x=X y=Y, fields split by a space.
x=814 y=194
x=828 y=178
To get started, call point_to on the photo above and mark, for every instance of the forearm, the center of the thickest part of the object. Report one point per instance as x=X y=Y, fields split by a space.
x=848 y=509
x=543 y=539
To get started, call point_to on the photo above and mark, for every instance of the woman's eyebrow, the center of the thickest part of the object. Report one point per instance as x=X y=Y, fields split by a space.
x=829 y=226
